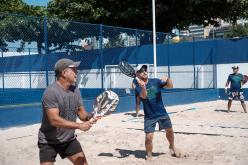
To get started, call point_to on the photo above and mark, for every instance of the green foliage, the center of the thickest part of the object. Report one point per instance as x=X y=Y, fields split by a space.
x=237 y=31
x=78 y=10
x=19 y=27
x=19 y=7
x=133 y=14
x=138 y=13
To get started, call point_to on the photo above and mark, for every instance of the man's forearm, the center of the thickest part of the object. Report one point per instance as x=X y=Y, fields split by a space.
x=83 y=114
x=227 y=83
x=63 y=123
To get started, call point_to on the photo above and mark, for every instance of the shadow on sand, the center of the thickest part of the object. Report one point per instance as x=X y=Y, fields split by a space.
x=126 y=153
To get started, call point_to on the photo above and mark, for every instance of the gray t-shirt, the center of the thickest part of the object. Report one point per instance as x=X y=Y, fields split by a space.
x=68 y=103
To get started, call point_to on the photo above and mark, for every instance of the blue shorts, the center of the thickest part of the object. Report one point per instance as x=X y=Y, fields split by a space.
x=164 y=122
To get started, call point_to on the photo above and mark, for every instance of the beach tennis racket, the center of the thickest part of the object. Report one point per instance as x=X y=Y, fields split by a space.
x=105 y=104
x=127 y=69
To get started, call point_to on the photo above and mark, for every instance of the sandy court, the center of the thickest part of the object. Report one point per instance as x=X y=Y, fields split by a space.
x=204 y=130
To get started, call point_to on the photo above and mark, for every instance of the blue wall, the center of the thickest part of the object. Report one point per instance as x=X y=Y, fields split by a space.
x=185 y=53
x=17 y=115
x=188 y=53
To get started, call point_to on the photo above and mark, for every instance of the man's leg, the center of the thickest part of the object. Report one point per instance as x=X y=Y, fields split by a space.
x=149 y=145
x=170 y=138
x=242 y=100
x=229 y=105
x=75 y=153
x=137 y=108
x=244 y=106
x=78 y=159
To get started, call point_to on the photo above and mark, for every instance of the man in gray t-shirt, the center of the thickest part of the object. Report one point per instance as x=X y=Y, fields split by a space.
x=62 y=104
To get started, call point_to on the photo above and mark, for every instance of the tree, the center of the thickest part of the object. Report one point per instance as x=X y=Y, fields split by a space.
x=138 y=14
x=19 y=7
x=16 y=27
x=237 y=31
x=77 y=10
x=132 y=14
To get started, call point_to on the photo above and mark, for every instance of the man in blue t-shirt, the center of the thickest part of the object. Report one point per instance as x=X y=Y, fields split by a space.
x=149 y=91
x=236 y=80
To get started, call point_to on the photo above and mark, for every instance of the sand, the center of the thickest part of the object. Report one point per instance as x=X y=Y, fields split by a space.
x=204 y=131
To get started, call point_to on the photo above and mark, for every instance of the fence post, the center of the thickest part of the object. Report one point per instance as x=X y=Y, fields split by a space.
x=3 y=70
x=194 y=60
x=46 y=48
x=136 y=38
x=29 y=65
x=101 y=55
x=214 y=65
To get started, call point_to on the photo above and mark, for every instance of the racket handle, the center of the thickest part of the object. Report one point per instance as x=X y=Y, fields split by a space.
x=92 y=120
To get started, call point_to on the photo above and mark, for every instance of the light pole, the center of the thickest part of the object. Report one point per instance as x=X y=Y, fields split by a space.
x=154 y=39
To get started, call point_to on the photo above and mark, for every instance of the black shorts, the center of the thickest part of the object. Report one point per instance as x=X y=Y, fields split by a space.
x=48 y=152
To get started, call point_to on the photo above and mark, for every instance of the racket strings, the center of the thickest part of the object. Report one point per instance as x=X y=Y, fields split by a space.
x=127 y=69
x=106 y=103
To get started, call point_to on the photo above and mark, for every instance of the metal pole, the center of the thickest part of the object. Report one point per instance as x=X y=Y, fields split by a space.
x=3 y=71
x=136 y=38
x=101 y=55
x=29 y=63
x=194 y=61
x=154 y=39
x=46 y=48
x=168 y=56
x=214 y=63
x=213 y=33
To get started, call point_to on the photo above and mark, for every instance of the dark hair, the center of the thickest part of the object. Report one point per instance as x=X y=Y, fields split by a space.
x=57 y=74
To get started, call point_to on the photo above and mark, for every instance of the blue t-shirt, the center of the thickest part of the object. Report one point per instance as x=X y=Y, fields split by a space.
x=153 y=104
x=235 y=80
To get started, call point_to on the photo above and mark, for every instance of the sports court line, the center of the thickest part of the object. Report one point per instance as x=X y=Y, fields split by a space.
x=19 y=105
x=134 y=119
x=137 y=119
x=208 y=134
x=20 y=137
x=190 y=109
x=219 y=126
x=194 y=133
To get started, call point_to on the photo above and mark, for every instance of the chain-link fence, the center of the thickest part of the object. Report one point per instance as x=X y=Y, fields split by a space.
x=23 y=40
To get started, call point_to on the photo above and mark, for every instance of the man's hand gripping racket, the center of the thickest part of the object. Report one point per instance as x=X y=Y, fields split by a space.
x=104 y=104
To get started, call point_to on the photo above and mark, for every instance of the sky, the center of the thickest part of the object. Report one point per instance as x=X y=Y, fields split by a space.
x=36 y=2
